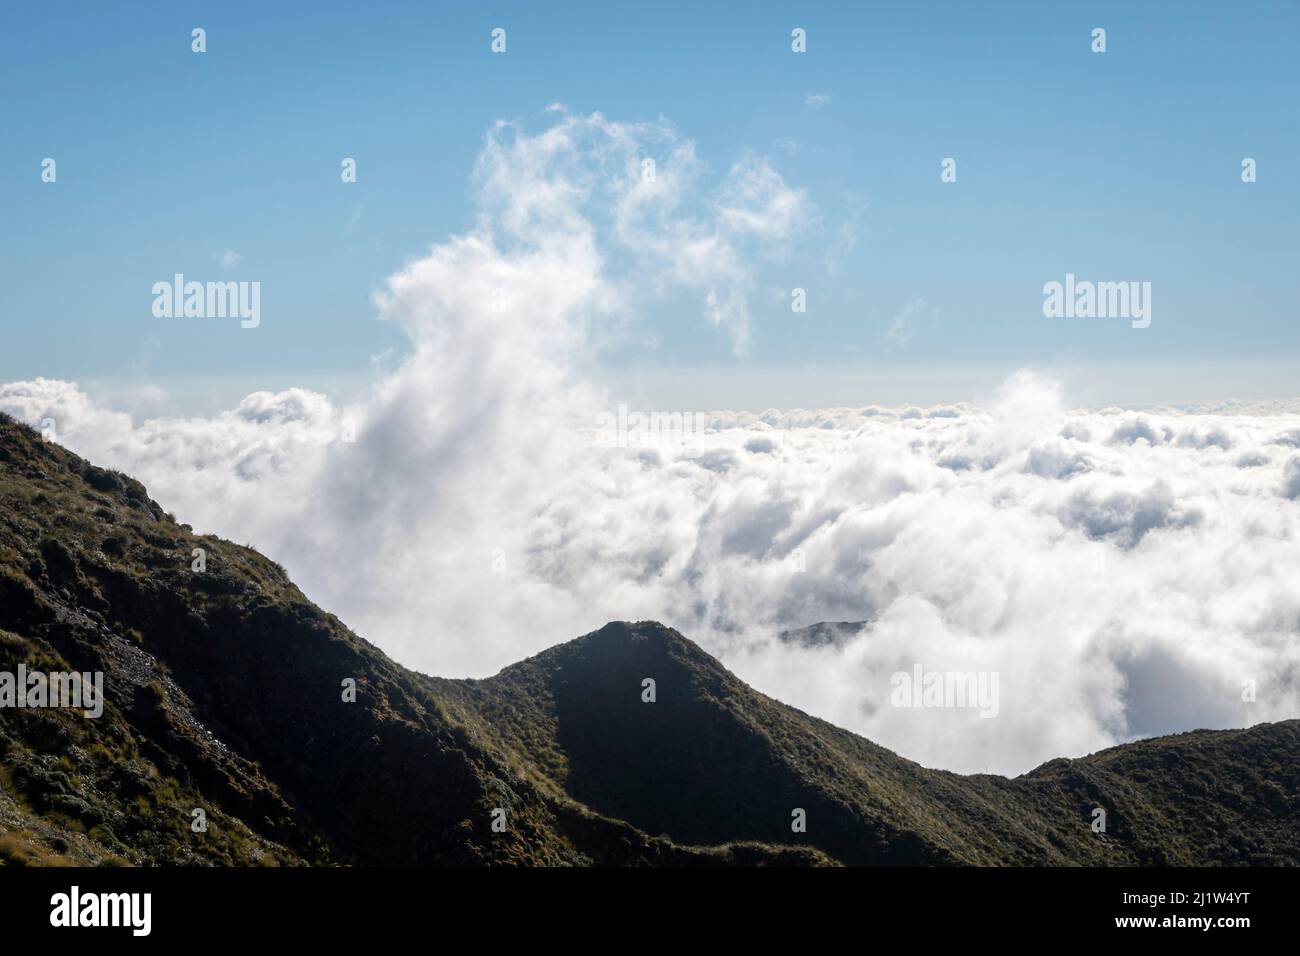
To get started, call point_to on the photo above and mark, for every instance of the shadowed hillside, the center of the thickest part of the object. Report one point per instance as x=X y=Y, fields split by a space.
x=225 y=693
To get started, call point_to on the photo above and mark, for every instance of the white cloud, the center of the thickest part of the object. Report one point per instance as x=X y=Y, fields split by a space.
x=227 y=259
x=755 y=200
x=816 y=101
x=903 y=324
x=1100 y=579
x=1122 y=572
x=850 y=210
x=1291 y=478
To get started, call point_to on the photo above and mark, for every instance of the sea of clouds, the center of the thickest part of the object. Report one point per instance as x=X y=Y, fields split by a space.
x=1124 y=573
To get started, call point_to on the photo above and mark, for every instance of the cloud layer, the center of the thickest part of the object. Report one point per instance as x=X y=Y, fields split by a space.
x=1124 y=573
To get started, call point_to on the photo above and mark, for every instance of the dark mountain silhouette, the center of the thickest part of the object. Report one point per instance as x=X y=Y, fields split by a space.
x=824 y=633
x=225 y=693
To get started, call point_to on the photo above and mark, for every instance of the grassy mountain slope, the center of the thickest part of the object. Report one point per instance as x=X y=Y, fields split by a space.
x=225 y=693
x=712 y=759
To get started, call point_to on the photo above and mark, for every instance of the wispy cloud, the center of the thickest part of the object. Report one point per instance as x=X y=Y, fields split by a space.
x=900 y=329
x=844 y=238
x=227 y=259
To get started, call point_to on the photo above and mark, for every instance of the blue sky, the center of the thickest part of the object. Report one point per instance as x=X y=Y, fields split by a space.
x=1116 y=166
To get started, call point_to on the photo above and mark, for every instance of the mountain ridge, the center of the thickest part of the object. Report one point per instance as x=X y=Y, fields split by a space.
x=225 y=693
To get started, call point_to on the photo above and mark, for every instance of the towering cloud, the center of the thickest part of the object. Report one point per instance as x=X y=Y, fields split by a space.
x=1123 y=574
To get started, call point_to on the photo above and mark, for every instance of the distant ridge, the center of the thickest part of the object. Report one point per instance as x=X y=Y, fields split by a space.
x=824 y=633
